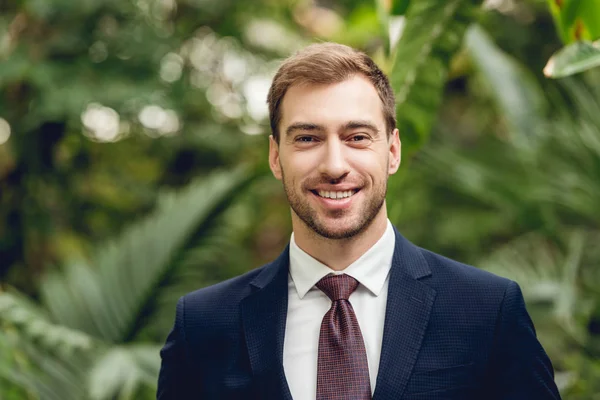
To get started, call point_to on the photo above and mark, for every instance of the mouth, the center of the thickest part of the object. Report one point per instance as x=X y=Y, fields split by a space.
x=335 y=195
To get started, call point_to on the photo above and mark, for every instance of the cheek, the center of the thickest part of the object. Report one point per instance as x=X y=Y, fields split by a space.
x=301 y=165
x=374 y=166
x=294 y=171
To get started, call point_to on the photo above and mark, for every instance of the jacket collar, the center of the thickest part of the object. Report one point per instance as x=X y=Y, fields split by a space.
x=264 y=314
x=407 y=315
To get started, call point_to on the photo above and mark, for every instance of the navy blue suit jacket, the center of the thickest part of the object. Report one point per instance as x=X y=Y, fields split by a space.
x=451 y=332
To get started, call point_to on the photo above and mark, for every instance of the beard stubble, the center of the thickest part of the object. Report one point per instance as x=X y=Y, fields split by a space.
x=309 y=215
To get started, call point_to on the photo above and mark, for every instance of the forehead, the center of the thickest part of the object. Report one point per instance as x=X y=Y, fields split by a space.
x=332 y=104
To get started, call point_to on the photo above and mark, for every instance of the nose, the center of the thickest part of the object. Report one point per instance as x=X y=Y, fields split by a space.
x=333 y=165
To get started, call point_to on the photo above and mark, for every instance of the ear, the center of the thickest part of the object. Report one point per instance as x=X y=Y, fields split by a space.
x=274 y=158
x=395 y=152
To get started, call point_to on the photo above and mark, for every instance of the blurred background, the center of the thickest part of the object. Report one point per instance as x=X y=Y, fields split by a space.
x=133 y=166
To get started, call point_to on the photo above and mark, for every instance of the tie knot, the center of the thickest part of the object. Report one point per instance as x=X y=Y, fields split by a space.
x=338 y=287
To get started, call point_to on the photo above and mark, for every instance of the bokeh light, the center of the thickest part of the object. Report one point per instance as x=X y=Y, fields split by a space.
x=4 y=131
x=101 y=123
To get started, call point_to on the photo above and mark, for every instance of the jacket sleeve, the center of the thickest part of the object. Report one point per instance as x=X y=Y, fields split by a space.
x=520 y=368
x=174 y=381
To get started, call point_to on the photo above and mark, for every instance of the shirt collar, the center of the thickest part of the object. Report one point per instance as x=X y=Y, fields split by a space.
x=370 y=270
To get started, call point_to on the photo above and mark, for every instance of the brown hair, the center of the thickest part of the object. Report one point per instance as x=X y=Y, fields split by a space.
x=326 y=63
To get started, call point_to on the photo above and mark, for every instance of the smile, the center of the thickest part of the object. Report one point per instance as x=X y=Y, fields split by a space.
x=335 y=194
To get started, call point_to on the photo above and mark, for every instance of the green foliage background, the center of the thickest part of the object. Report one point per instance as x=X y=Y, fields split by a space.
x=135 y=167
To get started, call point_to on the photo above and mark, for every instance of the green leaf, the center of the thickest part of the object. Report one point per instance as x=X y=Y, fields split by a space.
x=548 y=276
x=112 y=299
x=362 y=25
x=561 y=27
x=576 y=19
x=399 y=7
x=34 y=325
x=572 y=59
x=382 y=14
x=589 y=12
x=433 y=33
x=516 y=92
x=569 y=12
x=52 y=359
x=122 y=370
x=385 y=8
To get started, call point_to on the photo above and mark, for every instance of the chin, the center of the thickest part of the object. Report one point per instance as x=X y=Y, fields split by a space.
x=335 y=230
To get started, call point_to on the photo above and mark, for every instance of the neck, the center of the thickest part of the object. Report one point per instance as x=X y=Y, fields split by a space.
x=338 y=254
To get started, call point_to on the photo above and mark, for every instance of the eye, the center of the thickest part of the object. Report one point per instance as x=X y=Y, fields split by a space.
x=305 y=139
x=360 y=139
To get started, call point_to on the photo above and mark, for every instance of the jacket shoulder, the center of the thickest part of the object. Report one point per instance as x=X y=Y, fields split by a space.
x=469 y=301
x=222 y=294
x=210 y=316
x=445 y=265
x=463 y=279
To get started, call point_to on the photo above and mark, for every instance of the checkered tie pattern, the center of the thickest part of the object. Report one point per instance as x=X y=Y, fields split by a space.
x=342 y=366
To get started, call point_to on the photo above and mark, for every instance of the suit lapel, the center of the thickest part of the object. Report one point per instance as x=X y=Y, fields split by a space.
x=408 y=307
x=264 y=314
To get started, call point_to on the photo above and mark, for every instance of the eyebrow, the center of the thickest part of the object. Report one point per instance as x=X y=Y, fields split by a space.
x=303 y=126
x=360 y=125
x=306 y=126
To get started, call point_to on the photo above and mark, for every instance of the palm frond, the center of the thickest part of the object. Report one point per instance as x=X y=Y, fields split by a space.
x=217 y=254
x=49 y=373
x=53 y=358
x=516 y=93
x=110 y=298
x=53 y=376
x=122 y=370
x=550 y=278
x=554 y=178
x=421 y=63
x=34 y=325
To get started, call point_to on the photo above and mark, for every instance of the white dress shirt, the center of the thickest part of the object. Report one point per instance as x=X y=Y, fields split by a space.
x=307 y=305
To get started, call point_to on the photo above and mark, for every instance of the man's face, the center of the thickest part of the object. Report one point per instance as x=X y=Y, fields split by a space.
x=334 y=156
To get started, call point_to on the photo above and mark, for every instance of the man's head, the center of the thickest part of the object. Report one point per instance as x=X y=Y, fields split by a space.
x=327 y=63
x=334 y=140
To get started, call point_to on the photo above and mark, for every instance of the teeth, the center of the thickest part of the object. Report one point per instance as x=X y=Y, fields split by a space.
x=336 y=195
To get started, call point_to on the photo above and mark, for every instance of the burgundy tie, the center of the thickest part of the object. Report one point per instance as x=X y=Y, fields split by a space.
x=342 y=367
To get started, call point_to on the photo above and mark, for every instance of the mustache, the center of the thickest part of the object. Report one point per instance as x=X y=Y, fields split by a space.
x=310 y=183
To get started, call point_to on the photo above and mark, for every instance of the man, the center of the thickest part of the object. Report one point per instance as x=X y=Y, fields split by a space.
x=350 y=309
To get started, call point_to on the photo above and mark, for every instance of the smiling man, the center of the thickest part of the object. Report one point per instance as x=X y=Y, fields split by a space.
x=350 y=309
